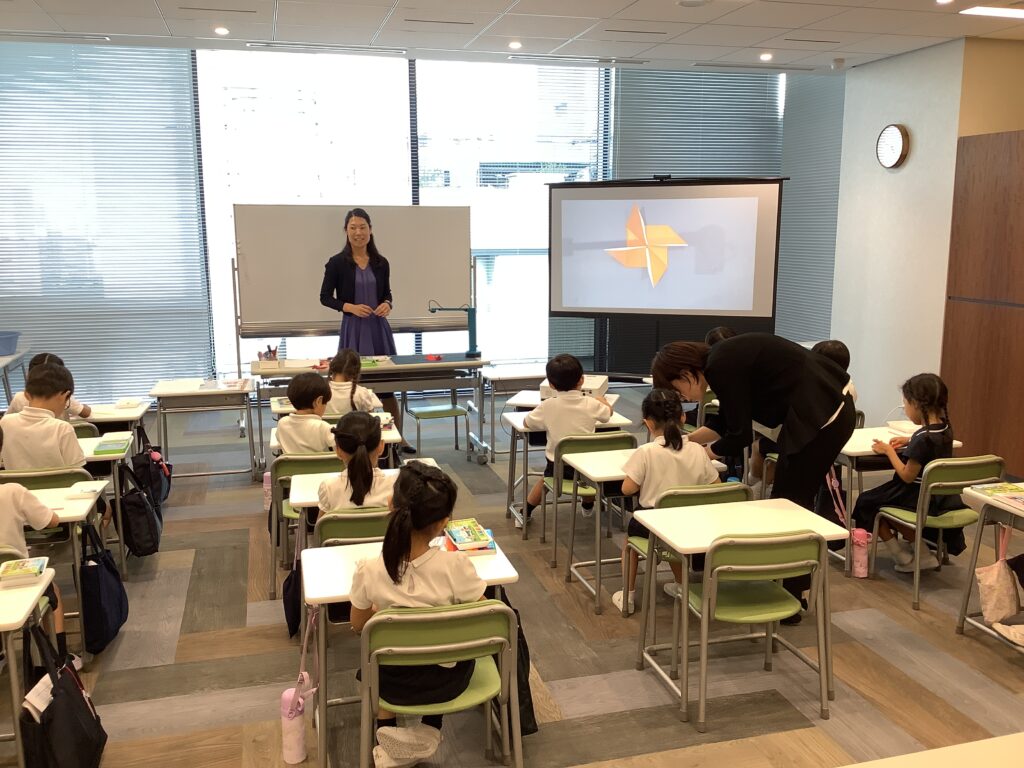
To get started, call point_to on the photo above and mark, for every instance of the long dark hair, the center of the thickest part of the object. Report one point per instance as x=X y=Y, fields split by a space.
x=347 y=363
x=371 y=247
x=679 y=360
x=928 y=392
x=423 y=496
x=358 y=435
x=665 y=408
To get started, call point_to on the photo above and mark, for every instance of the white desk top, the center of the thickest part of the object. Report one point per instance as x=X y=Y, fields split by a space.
x=193 y=387
x=89 y=444
x=530 y=398
x=289 y=368
x=999 y=751
x=19 y=354
x=71 y=510
x=18 y=601
x=607 y=466
x=282 y=406
x=515 y=372
x=692 y=530
x=859 y=443
x=977 y=501
x=327 y=571
x=388 y=436
x=514 y=420
x=305 y=489
x=105 y=413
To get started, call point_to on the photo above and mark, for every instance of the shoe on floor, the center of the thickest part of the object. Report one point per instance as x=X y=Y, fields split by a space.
x=381 y=759
x=587 y=511
x=617 y=602
x=792 y=621
x=415 y=743
x=407 y=449
x=900 y=551
x=929 y=562
x=519 y=523
x=673 y=589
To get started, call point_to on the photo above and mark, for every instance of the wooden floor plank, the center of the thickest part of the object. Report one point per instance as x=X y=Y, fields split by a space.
x=210 y=748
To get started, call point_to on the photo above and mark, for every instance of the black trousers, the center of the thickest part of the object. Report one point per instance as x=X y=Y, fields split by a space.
x=799 y=475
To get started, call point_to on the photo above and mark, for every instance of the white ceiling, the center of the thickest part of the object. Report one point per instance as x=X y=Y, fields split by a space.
x=802 y=36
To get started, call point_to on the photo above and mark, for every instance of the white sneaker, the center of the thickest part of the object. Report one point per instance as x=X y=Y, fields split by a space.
x=929 y=562
x=900 y=551
x=415 y=743
x=381 y=759
x=617 y=602
x=519 y=523
x=586 y=512
x=673 y=589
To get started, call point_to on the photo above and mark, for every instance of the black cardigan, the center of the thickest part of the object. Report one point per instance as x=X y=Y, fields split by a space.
x=339 y=285
x=768 y=379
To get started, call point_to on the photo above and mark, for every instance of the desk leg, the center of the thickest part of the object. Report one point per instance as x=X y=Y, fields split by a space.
x=120 y=521
x=969 y=581
x=493 y=437
x=253 y=458
x=647 y=602
x=526 y=480
x=597 y=548
x=321 y=694
x=16 y=694
x=165 y=438
x=684 y=672
x=510 y=490
x=848 y=563
x=76 y=562
x=826 y=609
x=10 y=396
x=261 y=461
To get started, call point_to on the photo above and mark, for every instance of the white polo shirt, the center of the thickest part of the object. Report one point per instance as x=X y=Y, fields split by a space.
x=341 y=399
x=565 y=414
x=656 y=468
x=20 y=402
x=336 y=493
x=304 y=433
x=19 y=508
x=434 y=578
x=36 y=439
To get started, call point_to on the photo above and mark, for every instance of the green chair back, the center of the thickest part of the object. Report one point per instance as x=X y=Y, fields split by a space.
x=85 y=429
x=286 y=467
x=64 y=477
x=351 y=526
x=706 y=407
x=764 y=558
x=946 y=477
x=858 y=420
x=7 y=554
x=599 y=441
x=694 y=495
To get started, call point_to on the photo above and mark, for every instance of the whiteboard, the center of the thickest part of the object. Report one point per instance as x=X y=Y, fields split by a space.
x=282 y=250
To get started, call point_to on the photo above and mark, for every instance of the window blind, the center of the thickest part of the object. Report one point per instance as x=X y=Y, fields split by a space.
x=102 y=249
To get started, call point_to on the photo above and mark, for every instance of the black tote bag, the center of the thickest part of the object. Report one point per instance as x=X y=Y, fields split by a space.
x=142 y=524
x=104 y=601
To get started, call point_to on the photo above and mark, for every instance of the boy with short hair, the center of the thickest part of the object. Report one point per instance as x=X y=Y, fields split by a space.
x=569 y=412
x=37 y=438
x=305 y=431
x=20 y=401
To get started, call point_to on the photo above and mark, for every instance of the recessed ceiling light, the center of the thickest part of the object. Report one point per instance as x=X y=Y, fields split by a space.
x=222 y=31
x=943 y=2
x=985 y=10
x=515 y=45
x=765 y=56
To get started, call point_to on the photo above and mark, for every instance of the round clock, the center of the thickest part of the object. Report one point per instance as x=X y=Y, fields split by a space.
x=892 y=146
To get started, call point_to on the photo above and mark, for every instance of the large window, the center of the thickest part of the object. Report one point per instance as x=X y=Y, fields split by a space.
x=102 y=257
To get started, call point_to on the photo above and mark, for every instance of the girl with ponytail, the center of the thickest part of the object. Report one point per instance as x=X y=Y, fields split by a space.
x=411 y=574
x=669 y=460
x=357 y=442
x=346 y=394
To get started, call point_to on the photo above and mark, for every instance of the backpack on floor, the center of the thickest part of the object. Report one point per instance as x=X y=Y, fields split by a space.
x=152 y=472
x=142 y=525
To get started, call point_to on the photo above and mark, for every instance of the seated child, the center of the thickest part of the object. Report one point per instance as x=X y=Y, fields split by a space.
x=20 y=400
x=346 y=394
x=669 y=460
x=362 y=483
x=924 y=399
x=304 y=431
x=37 y=438
x=569 y=412
x=411 y=574
x=19 y=508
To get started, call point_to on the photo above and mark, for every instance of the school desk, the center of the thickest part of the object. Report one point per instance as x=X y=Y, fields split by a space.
x=530 y=398
x=693 y=533
x=196 y=396
x=7 y=362
x=389 y=437
x=327 y=578
x=991 y=510
x=505 y=379
x=17 y=603
x=111 y=413
x=88 y=445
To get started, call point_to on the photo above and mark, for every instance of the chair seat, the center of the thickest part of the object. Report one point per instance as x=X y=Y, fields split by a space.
x=437 y=411
x=43 y=604
x=640 y=544
x=484 y=685
x=287 y=512
x=584 y=491
x=955 y=518
x=748 y=602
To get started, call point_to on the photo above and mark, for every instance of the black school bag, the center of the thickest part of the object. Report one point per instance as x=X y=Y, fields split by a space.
x=142 y=524
x=152 y=472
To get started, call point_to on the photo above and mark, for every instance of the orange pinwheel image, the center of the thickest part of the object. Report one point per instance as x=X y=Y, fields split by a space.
x=646 y=246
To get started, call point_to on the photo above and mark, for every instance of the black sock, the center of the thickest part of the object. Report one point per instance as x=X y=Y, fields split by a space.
x=62 y=645
x=588 y=504
x=529 y=509
x=391 y=722
x=434 y=721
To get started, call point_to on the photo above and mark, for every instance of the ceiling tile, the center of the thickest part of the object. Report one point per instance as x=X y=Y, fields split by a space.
x=240 y=30
x=19 y=6
x=766 y=14
x=873 y=20
x=780 y=57
x=600 y=8
x=438 y=21
x=494 y=6
x=499 y=44
x=660 y=10
x=16 y=21
x=603 y=49
x=811 y=40
x=724 y=34
x=849 y=58
x=1013 y=33
x=956 y=25
x=314 y=14
x=688 y=52
x=917 y=5
x=139 y=9
x=541 y=26
x=224 y=11
x=323 y=35
x=627 y=31
x=111 y=25
x=393 y=37
x=891 y=45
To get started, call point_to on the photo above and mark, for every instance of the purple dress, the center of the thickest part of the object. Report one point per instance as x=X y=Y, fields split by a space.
x=366 y=335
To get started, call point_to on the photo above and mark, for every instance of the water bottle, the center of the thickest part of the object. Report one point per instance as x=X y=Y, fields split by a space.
x=861 y=540
x=293 y=728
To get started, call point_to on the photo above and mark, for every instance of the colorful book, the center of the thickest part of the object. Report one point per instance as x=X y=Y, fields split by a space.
x=368 y=362
x=998 y=489
x=113 y=446
x=490 y=549
x=21 y=571
x=468 y=534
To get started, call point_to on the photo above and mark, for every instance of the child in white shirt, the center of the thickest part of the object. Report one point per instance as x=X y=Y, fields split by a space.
x=362 y=483
x=305 y=431
x=36 y=437
x=409 y=573
x=669 y=460
x=20 y=401
x=346 y=394
x=19 y=508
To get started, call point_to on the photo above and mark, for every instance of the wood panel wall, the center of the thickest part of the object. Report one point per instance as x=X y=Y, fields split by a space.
x=983 y=338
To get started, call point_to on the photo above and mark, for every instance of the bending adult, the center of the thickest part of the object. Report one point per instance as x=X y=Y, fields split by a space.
x=357 y=283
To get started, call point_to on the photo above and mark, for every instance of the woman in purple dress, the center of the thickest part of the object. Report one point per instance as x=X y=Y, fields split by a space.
x=357 y=283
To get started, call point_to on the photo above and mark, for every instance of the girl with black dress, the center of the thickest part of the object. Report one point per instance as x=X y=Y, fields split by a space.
x=924 y=399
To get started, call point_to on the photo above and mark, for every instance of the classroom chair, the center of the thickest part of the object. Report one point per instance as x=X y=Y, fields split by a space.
x=351 y=526
x=36 y=479
x=86 y=429
x=741 y=585
x=485 y=631
x=706 y=408
x=684 y=496
x=281 y=471
x=430 y=412
x=941 y=477
x=42 y=607
x=560 y=488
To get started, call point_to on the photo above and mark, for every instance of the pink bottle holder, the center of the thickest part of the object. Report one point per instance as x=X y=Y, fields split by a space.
x=861 y=540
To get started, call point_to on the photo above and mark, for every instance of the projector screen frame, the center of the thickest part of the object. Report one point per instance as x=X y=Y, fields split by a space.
x=664 y=181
